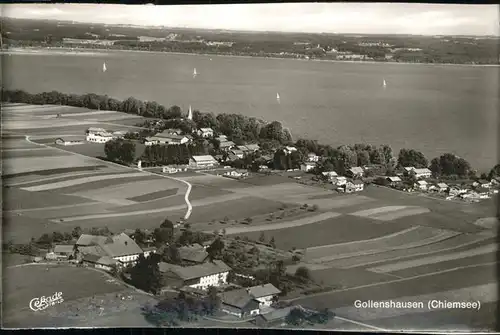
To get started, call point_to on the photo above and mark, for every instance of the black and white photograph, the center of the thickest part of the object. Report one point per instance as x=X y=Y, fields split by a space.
x=301 y=166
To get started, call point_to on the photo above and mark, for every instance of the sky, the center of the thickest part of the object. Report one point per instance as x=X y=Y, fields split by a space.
x=357 y=18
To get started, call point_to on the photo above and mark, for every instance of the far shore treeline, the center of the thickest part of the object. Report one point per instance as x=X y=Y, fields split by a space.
x=271 y=136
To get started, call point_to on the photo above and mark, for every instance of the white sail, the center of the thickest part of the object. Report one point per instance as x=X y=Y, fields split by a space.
x=278 y=97
x=104 y=67
x=195 y=73
x=384 y=83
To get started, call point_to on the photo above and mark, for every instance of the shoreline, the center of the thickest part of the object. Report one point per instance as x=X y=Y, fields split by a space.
x=100 y=51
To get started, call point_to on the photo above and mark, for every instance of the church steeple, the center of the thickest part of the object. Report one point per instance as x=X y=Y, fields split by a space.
x=190 y=113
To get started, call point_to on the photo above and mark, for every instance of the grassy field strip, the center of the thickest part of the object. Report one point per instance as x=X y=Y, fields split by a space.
x=363 y=247
x=79 y=181
x=488 y=223
x=282 y=225
x=32 y=164
x=374 y=211
x=340 y=202
x=129 y=190
x=452 y=243
x=484 y=293
x=60 y=176
x=111 y=118
x=25 y=149
x=287 y=189
x=434 y=259
x=400 y=214
x=20 y=125
x=418 y=243
x=90 y=113
x=99 y=208
x=30 y=108
x=204 y=202
x=52 y=208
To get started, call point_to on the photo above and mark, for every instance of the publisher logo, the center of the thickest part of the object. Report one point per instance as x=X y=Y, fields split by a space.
x=43 y=302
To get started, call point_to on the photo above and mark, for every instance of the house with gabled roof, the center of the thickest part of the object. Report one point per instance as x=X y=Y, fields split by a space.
x=239 y=303
x=264 y=294
x=353 y=186
x=199 y=276
x=205 y=132
x=193 y=254
x=100 y=262
x=355 y=172
x=203 y=161
x=121 y=247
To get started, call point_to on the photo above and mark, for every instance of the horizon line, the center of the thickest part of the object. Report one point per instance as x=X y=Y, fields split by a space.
x=249 y=31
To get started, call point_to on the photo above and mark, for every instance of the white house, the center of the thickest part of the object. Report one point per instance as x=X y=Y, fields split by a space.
x=441 y=187
x=330 y=174
x=288 y=150
x=200 y=162
x=205 y=132
x=355 y=172
x=98 y=135
x=236 y=173
x=200 y=276
x=165 y=138
x=99 y=262
x=307 y=166
x=339 y=181
x=61 y=252
x=226 y=145
x=72 y=141
x=394 y=180
x=354 y=186
x=238 y=153
x=421 y=173
x=174 y=168
x=312 y=157
x=421 y=184
x=264 y=294
x=482 y=183
x=253 y=147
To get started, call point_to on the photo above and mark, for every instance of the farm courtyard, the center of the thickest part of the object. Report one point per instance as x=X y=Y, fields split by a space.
x=377 y=245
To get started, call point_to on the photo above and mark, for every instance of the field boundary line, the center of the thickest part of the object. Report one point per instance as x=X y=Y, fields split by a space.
x=92 y=203
x=394 y=281
x=420 y=254
x=186 y=195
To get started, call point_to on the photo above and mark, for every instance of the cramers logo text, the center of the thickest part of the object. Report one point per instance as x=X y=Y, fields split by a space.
x=39 y=304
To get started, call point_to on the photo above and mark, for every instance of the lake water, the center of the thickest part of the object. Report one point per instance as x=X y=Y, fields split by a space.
x=432 y=108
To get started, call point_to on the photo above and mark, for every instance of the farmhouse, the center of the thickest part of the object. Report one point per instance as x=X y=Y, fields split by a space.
x=119 y=247
x=205 y=132
x=98 y=135
x=353 y=186
x=482 y=183
x=393 y=181
x=164 y=138
x=253 y=147
x=200 y=162
x=62 y=141
x=307 y=166
x=197 y=276
x=288 y=150
x=420 y=173
x=148 y=251
x=441 y=187
x=61 y=252
x=193 y=254
x=355 y=172
x=421 y=184
x=264 y=294
x=173 y=131
x=221 y=138
x=312 y=157
x=100 y=262
x=457 y=190
x=239 y=303
x=274 y=318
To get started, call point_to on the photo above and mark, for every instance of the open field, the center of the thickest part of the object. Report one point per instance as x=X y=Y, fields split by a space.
x=335 y=230
x=31 y=152
x=154 y=195
x=32 y=164
x=37 y=180
x=22 y=284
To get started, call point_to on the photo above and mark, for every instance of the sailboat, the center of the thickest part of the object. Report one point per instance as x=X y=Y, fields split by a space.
x=104 y=67
x=384 y=84
x=195 y=73
x=278 y=97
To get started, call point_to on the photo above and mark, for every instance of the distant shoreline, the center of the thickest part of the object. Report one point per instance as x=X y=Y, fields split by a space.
x=99 y=51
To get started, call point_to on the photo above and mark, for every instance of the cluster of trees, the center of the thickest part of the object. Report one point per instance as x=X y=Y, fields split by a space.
x=146 y=274
x=183 y=308
x=173 y=154
x=299 y=317
x=120 y=150
x=58 y=237
x=451 y=165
